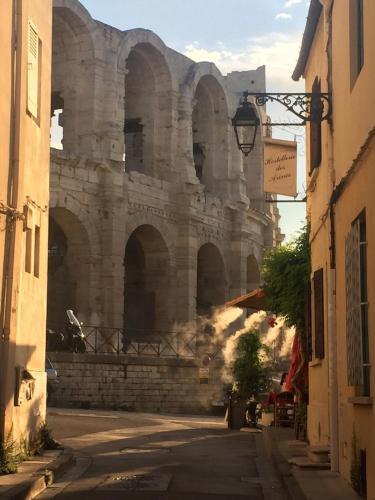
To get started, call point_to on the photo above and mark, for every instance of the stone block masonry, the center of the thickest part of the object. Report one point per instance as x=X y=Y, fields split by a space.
x=147 y=384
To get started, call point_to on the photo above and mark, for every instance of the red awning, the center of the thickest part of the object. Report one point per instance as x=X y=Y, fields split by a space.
x=251 y=300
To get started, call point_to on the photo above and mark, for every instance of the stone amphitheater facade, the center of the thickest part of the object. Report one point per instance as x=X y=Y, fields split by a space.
x=155 y=216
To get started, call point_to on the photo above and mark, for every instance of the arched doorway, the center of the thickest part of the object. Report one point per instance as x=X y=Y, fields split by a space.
x=68 y=268
x=211 y=280
x=253 y=278
x=146 y=284
x=148 y=114
x=210 y=132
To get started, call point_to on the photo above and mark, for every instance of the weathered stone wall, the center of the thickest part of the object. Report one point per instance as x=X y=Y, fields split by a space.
x=150 y=197
x=146 y=384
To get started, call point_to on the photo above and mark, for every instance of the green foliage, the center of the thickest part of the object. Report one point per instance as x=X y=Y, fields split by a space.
x=249 y=373
x=47 y=442
x=12 y=454
x=286 y=273
x=8 y=457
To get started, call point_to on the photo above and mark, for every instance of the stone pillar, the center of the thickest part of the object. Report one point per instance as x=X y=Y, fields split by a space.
x=239 y=247
x=186 y=272
x=113 y=216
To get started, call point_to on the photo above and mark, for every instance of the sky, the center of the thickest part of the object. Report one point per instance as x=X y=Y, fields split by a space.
x=235 y=35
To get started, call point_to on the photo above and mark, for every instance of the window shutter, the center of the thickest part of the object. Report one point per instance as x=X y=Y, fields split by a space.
x=315 y=127
x=308 y=331
x=33 y=72
x=319 y=313
x=353 y=306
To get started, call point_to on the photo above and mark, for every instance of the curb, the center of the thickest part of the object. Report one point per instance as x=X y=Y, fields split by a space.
x=44 y=477
x=283 y=468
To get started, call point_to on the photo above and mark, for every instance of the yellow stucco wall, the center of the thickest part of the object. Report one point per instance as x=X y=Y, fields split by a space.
x=5 y=100
x=25 y=309
x=353 y=119
x=318 y=199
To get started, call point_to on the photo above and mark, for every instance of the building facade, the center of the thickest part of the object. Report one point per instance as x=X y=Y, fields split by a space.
x=25 y=82
x=337 y=56
x=155 y=216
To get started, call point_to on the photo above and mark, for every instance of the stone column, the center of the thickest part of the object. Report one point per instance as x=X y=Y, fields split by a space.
x=113 y=216
x=239 y=247
x=186 y=272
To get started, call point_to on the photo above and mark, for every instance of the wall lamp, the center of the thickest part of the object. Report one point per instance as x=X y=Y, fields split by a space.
x=308 y=107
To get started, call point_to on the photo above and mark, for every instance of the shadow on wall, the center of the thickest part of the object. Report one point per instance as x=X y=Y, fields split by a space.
x=24 y=396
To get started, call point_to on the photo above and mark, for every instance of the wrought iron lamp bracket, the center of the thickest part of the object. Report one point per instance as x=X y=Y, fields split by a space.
x=306 y=106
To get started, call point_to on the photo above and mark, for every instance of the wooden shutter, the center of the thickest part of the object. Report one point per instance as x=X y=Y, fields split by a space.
x=353 y=306
x=308 y=330
x=319 y=313
x=33 y=71
x=315 y=127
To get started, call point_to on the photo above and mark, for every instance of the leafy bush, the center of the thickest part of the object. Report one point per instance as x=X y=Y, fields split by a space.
x=47 y=442
x=286 y=274
x=250 y=374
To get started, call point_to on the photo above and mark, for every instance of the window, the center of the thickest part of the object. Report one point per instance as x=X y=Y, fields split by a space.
x=36 y=251
x=28 y=250
x=33 y=71
x=318 y=282
x=357 y=54
x=316 y=127
x=358 y=355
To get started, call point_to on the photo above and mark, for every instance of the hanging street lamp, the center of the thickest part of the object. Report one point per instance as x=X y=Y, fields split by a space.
x=308 y=107
x=246 y=119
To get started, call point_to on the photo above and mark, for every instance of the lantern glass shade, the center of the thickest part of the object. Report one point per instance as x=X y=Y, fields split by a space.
x=245 y=123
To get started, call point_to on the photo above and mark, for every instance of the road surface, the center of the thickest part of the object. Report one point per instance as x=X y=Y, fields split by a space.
x=133 y=456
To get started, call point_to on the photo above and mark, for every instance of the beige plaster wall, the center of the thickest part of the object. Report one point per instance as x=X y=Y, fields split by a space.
x=319 y=184
x=351 y=134
x=25 y=305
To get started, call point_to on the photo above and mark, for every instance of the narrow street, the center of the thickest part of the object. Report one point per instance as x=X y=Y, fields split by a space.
x=153 y=457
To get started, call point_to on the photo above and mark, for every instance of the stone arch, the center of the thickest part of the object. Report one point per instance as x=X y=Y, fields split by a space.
x=210 y=126
x=211 y=279
x=150 y=219
x=147 y=280
x=253 y=276
x=69 y=268
x=148 y=104
x=73 y=53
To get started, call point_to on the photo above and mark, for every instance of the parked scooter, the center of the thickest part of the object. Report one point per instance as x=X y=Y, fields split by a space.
x=72 y=339
x=75 y=337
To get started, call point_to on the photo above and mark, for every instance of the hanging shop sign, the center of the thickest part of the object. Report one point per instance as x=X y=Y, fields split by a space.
x=280 y=167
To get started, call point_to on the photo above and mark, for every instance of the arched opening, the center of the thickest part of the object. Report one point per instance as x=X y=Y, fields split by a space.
x=148 y=115
x=210 y=133
x=146 y=284
x=253 y=278
x=72 y=80
x=68 y=268
x=211 y=281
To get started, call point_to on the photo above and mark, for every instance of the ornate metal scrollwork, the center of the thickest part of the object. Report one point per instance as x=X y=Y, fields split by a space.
x=307 y=106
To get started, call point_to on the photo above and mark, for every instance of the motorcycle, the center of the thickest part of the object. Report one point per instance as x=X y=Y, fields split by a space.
x=72 y=339
x=75 y=337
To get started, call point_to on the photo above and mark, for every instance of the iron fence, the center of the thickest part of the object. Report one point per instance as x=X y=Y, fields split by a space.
x=107 y=340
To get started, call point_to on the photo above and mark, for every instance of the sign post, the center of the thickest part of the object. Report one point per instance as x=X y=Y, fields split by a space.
x=280 y=167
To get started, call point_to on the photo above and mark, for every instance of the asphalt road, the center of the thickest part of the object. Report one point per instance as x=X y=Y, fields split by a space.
x=151 y=457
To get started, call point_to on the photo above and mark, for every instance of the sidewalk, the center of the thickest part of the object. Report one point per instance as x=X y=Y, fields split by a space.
x=303 y=484
x=35 y=475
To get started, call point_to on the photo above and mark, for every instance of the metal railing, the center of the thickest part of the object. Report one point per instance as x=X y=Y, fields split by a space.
x=132 y=342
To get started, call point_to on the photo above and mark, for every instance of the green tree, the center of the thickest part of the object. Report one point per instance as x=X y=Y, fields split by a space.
x=249 y=372
x=286 y=274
